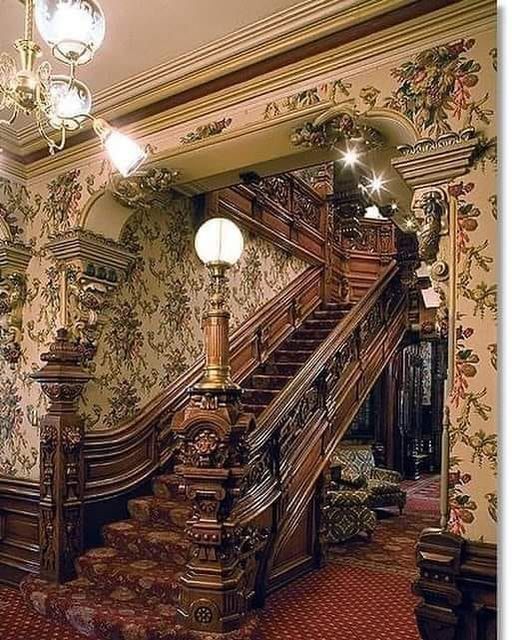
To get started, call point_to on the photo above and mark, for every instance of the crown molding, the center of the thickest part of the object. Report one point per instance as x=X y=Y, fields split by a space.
x=350 y=59
x=290 y=28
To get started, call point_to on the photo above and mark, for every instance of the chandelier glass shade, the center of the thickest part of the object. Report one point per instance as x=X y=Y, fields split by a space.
x=74 y=29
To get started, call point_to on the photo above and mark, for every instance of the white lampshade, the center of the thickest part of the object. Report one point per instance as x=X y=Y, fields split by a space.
x=219 y=240
x=71 y=100
x=73 y=28
x=125 y=154
x=373 y=213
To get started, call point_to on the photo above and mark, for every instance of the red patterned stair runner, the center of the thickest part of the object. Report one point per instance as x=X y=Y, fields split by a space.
x=128 y=589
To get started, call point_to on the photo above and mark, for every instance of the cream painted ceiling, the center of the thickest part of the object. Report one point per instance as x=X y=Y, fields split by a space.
x=142 y=34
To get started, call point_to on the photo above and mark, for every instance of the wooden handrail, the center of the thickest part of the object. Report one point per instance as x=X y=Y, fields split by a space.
x=305 y=377
x=147 y=437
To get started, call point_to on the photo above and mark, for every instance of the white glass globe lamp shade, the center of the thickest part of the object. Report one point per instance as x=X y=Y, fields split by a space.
x=219 y=241
x=70 y=102
x=123 y=152
x=74 y=29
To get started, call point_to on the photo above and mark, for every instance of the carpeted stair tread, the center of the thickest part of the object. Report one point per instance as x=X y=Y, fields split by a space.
x=167 y=486
x=150 y=541
x=102 y=613
x=156 y=509
x=153 y=580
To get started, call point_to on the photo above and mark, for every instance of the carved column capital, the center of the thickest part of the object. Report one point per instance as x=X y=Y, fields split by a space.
x=92 y=268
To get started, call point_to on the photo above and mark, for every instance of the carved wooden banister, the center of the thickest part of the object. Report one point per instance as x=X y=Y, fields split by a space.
x=297 y=433
x=146 y=440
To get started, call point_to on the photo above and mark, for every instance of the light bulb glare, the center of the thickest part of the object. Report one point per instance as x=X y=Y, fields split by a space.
x=350 y=157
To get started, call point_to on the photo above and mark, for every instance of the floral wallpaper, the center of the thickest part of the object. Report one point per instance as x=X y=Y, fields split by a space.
x=441 y=86
x=152 y=328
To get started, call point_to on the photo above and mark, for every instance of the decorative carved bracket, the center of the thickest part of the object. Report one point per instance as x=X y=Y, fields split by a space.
x=145 y=190
x=93 y=268
x=14 y=259
x=431 y=162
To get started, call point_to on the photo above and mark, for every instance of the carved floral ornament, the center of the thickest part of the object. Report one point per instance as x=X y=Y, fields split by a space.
x=328 y=133
x=146 y=189
x=14 y=259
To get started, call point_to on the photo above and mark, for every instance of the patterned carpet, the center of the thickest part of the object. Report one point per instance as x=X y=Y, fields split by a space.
x=364 y=593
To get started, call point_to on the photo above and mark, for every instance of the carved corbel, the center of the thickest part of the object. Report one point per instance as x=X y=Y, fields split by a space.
x=14 y=259
x=430 y=207
x=93 y=267
x=145 y=190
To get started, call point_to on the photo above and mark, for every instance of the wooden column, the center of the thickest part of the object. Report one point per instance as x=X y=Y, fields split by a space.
x=62 y=380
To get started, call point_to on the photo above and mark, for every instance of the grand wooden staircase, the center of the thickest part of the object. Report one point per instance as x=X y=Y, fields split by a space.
x=304 y=395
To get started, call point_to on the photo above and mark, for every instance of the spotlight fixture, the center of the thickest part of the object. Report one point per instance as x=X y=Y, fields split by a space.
x=351 y=157
x=74 y=29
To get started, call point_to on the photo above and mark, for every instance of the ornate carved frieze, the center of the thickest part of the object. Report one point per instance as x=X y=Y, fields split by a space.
x=145 y=190
x=92 y=268
x=326 y=134
x=61 y=453
x=14 y=259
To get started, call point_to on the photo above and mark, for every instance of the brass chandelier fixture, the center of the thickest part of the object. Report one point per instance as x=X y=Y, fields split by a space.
x=60 y=103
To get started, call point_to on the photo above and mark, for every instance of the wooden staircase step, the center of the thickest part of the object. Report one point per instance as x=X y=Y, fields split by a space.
x=259 y=396
x=303 y=344
x=110 y=568
x=167 y=487
x=288 y=369
x=269 y=381
x=254 y=408
x=102 y=613
x=154 y=509
x=290 y=355
x=149 y=541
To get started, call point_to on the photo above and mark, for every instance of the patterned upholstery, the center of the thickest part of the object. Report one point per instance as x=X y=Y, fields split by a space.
x=353 y=468
x=346 y=513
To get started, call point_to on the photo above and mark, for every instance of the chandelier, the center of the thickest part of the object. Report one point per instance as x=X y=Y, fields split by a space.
x=60 y=103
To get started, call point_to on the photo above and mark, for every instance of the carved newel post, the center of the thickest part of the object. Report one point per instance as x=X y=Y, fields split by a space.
x=212 y=432
x=62 y=380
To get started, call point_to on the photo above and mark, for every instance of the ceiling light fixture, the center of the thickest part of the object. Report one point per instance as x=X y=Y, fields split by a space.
x=351 y=157
x=74 y=29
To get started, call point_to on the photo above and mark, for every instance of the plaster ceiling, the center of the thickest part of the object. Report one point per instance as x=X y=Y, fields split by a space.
x=143 y=35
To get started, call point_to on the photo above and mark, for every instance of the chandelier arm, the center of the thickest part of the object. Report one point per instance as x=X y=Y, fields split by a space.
x=52 y=145
x=12 y=118
x=29 y=20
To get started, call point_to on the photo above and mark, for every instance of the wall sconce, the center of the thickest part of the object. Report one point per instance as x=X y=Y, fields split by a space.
x=219 y=244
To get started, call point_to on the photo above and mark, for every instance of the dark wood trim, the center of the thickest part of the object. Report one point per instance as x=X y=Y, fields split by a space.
x=457 y=584
x=319 y=46
x=19 y=529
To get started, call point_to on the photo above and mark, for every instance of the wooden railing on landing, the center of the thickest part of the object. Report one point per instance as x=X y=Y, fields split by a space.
x=298 y=432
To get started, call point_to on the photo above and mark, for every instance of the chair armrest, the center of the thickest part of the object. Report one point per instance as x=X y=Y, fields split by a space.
x=346 y=498
x=352 y=480
x=387 y=475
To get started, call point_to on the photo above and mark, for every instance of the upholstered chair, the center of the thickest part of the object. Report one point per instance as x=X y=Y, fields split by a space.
x=346 y=514
x=353 y=468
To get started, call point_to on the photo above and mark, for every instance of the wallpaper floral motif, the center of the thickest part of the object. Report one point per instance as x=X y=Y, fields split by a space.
x=442 y=86
x=152 y=328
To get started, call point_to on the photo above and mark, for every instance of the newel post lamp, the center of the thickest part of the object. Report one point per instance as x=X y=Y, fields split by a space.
x=219 y=244
x=213 y=460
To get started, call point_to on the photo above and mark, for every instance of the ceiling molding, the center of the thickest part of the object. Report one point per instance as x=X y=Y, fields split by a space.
x=290 y=28
x=351 y=58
